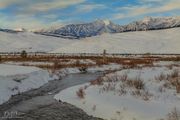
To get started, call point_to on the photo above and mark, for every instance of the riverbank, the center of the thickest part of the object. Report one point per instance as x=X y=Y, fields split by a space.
x=40 y=102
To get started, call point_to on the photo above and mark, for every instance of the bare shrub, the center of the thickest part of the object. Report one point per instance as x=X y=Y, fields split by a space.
x=167 y=85
x=161 y=89
x=113 y=78
x=171 y=80
x=124 y=77
x=178 y=88
x=83 y=69
x=118 y=112
x=174 y=115
x=81 y=93
x=174 y=80
x=86 y=86
x=175 y=73
x=98 y=81
x=122 y=92
x=161 y=77
x=56 y=65
x=94 y=107
x=136 y=83
x=110 y=86
x=136 y=93
x=77 y=62
x=146 y=95
x=170 y=66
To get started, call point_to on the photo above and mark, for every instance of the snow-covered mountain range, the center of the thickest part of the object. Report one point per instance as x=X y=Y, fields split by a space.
x=124 y=41
x=13 y=31
x=104 y=26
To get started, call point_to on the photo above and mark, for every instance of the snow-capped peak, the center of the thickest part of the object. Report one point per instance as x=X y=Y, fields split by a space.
x=106 y=22
x=105 y=26
x=20 y=29
x=146 y=19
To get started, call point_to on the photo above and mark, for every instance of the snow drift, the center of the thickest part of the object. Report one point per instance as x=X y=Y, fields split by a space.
x=16 y=79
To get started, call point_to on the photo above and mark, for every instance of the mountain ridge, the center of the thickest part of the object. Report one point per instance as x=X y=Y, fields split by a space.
x=99 y=27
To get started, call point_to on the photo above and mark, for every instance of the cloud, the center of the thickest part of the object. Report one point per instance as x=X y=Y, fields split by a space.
x=146 y=1
x=32 y=14
x=55 y=4
x=36 y=6
x=89 y=7
x=29 y=22
x=132 y=11
x=6 y=3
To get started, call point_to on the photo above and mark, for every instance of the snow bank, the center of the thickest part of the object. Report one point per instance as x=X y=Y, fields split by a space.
x=102 y=68
x=111 y=105
x=16 y=79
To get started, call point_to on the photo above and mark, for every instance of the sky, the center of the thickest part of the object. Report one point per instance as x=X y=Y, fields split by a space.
x=37 y=14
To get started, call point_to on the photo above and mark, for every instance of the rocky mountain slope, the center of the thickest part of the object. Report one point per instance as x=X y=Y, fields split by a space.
x=104 y=26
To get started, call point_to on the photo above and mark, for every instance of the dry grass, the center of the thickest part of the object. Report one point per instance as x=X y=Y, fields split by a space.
x=81 y=93
x=171 y=80
x=161 y=77
x=98 y=81
x=130 y=61
x=121 y=85
x=136 y=83
x=174 y=115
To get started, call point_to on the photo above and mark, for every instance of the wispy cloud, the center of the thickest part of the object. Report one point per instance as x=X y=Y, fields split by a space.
x=33 y=14
x=89 y=7
x=55 y=4
x=6 y=3
x=28 y=22
x=132 y=11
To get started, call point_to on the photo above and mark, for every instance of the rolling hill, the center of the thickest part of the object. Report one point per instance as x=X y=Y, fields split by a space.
x=156 y=41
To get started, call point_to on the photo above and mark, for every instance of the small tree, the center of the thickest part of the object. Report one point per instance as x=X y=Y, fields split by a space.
x=23 y=54
x=56 y=65
x=104 y=56
x=0 y=58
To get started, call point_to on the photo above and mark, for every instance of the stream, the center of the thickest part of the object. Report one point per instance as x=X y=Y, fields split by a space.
x=39 y=98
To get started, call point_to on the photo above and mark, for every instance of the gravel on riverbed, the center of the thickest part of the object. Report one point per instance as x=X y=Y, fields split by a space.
x=58 y=111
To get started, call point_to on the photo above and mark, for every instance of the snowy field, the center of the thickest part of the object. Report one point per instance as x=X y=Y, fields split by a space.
x=30 y=42
x=16 y=79
x=147 y=93
x=158 y=41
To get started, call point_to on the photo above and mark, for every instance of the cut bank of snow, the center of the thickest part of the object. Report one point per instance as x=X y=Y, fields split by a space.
x=16 y=79
x=157 y=41
x=8 y=70
x=110 y=105
x=29 y=63
x=102 y=68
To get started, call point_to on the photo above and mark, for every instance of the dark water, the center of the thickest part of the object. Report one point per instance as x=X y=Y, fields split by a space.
x=50 y=89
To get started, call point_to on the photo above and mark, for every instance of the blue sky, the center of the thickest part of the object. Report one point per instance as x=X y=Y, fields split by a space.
x=37 y=14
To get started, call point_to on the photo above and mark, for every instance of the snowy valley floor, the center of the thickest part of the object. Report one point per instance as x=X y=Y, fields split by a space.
x=125 y=88
x=140 y=93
